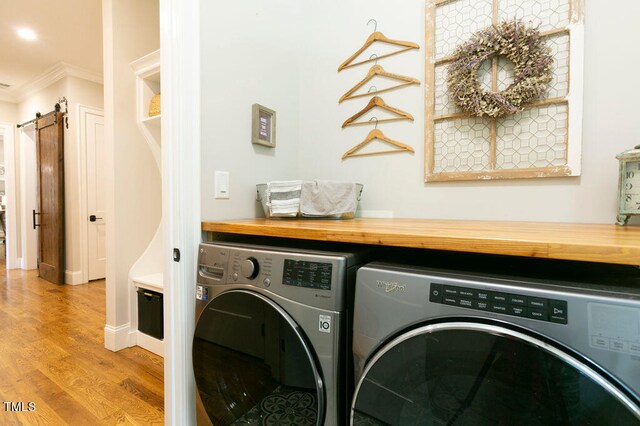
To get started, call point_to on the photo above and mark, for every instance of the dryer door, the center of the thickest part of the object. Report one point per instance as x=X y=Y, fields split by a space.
x=483 y=374
x=253 y=365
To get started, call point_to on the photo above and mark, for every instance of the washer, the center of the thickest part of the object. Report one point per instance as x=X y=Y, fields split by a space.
x=271 y=344
x=478 y=347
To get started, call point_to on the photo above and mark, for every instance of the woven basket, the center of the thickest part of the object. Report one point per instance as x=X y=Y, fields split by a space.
x=154 y=106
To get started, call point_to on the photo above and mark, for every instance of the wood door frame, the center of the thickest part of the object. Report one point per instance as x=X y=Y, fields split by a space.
x=11 y=215
x=82 y=112
x=180 y=156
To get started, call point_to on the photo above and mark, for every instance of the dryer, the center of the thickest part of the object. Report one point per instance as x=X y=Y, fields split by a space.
x=462 y=347
x=272 y=335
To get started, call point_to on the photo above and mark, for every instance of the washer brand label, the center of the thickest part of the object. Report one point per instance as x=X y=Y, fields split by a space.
x=391 y=286
x=324 y=324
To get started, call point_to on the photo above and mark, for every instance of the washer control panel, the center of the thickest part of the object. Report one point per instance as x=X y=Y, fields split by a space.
x=301 y=273
x=311 y=278
x=518 y=305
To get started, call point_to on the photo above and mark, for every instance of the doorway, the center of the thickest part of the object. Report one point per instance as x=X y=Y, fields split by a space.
x=8 y=198
x=93 y=152
x=28 y=197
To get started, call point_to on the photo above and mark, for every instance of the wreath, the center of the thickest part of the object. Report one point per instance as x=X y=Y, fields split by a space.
x=519 y=43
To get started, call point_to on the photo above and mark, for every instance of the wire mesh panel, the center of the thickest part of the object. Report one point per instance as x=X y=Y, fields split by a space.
x=533 y=138
x=462 y=145
x=543 y=140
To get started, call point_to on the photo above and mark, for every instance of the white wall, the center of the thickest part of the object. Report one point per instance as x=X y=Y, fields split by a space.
x=250 y=54
x=395 y=182
x=332 y=31
x=8 y=111
x=77 y=91
x=131 y=30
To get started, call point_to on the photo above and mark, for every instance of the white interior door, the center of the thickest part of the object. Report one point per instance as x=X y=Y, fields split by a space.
x=96 y=198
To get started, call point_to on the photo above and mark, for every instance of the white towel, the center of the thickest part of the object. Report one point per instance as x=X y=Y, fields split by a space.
x=326 y=198
x=283 y=198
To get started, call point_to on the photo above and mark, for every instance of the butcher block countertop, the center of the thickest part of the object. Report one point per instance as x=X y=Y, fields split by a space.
x=566 y=241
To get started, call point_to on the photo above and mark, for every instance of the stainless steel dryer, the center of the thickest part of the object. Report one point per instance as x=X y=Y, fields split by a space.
x=442 y=347
x=271 y=342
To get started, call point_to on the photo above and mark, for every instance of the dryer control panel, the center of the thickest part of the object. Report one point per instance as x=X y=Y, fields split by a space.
x=518 y=305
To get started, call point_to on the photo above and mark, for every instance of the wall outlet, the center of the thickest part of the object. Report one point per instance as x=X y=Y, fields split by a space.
x=221 y=185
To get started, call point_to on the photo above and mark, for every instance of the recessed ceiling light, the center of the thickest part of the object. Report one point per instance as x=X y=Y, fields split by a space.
x=27 y=34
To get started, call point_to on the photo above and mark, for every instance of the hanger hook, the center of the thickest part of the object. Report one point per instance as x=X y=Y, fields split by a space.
x=372 y=56
x=375 y=28
x=374 y=118
x=371 y=89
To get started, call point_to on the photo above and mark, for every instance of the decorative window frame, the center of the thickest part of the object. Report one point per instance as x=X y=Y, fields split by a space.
x=572 y=100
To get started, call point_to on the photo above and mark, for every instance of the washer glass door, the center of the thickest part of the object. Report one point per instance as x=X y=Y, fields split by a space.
x=480 y=374
x=252 y=364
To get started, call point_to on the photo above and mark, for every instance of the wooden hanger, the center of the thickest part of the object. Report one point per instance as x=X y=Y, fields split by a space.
x=377 y=36
x=377 y=134
x=377 y=101
x=377 y=70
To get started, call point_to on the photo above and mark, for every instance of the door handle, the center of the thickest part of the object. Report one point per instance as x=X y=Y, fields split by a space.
x=93 y=218
x=35 y=225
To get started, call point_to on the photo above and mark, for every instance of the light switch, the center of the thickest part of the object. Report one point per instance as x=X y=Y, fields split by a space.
x=222 y=185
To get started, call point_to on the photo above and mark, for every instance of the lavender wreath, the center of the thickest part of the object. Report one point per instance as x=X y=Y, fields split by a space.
x=518 y=42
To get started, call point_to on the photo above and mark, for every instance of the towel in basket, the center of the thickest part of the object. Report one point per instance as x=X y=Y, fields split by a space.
x=315 y=199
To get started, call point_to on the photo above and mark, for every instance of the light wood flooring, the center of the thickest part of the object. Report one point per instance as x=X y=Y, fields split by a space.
x=52 y=354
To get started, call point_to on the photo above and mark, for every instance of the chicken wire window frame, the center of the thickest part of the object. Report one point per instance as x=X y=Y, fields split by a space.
x=543 y=140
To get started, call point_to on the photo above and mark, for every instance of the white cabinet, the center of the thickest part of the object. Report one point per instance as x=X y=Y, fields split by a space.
x=147 y=270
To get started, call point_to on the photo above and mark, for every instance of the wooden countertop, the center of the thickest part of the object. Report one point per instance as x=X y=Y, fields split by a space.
x=567 y=241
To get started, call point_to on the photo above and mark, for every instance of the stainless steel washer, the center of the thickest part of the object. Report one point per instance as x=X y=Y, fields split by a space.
x=272 y=336
x=444 y=347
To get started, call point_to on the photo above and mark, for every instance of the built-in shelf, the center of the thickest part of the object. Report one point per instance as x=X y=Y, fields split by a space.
x=147 y=72
x=145 y=272
x=150 y=282
x=153 y=121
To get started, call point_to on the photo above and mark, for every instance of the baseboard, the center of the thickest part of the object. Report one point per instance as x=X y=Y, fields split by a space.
x=15 y=263
x=116 y=338
x=150 y=343
x=23 y=264
x=73 y=277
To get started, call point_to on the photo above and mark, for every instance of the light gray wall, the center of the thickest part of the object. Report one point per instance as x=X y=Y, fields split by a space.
x=333 y=30
x=250 y=54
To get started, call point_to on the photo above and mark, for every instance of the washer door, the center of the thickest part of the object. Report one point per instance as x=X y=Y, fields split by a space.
x=252 y=364
x=480 y=374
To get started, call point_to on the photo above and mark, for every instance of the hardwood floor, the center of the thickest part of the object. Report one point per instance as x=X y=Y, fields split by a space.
x=52 y=355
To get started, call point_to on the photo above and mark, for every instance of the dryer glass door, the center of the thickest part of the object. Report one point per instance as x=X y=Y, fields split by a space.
x=252 y=364
x=480 y=374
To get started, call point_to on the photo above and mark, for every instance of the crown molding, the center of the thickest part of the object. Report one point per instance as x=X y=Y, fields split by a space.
x=51 y=76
